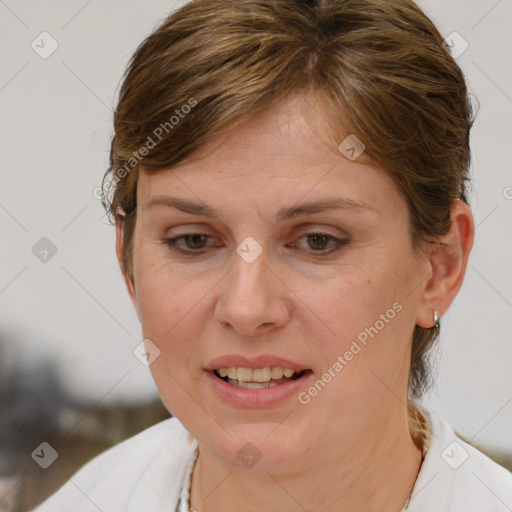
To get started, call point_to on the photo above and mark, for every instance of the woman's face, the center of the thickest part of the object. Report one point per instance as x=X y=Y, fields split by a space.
x=341 y=309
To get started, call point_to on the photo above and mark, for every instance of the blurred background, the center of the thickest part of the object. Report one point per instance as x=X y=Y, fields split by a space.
x=68 y=331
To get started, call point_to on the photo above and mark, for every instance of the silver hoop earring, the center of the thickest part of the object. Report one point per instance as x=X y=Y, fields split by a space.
x=436 y=320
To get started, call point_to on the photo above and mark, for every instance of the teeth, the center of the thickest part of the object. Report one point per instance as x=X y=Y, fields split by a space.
x=257 y=375
x=252 y=385
x=277 y=372
x=244 y=375
x=248 y=385
x=261 y=375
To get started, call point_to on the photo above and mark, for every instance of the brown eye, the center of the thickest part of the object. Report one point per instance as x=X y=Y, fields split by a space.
x=318 y=241
x=194 y=242
x=323 y=243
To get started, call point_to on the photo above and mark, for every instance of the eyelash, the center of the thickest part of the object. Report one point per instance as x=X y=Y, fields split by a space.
x=172 y=243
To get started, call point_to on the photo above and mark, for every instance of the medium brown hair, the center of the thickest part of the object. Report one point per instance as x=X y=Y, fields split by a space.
x=379 y=65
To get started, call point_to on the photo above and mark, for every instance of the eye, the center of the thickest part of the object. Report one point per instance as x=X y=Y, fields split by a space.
x=318 y=242
x=194 y=242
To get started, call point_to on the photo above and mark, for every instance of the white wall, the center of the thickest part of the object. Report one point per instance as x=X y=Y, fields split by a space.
x=55 y=116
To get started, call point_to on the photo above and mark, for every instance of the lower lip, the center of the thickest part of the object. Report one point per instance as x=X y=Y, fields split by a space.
x=257 y=398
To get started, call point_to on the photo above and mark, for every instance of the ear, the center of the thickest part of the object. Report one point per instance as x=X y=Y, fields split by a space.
x=128 y=279
x=448 y=260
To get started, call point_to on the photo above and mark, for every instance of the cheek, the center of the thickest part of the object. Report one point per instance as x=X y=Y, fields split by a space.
x=169 y=308
x=355 y=299
x=162 y=294
x=167 y=305
x=370 y=314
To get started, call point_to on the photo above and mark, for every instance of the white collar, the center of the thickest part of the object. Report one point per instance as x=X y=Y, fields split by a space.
x=454 y=476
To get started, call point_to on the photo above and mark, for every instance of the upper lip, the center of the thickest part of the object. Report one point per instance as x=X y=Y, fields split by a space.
x=261 y=361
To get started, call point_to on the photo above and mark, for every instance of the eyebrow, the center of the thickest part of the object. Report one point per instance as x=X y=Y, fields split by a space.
x=285 y=213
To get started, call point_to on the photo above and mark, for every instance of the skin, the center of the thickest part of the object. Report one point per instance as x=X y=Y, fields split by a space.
x=350 y=444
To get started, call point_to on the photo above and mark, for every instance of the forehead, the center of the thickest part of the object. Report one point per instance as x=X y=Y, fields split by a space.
x=288 y=150
x=299 y=128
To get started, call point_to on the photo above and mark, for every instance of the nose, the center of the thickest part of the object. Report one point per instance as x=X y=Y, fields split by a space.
x=253 y=298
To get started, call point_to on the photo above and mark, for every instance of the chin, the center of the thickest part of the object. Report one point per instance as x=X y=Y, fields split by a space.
x=258 y=446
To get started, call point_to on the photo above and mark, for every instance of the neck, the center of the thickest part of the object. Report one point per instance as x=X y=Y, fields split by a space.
x=377 y=476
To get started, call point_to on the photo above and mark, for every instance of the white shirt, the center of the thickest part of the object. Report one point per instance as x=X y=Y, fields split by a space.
x=149 y=470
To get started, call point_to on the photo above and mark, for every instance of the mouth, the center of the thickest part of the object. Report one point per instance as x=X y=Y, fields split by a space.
x=258 y=378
